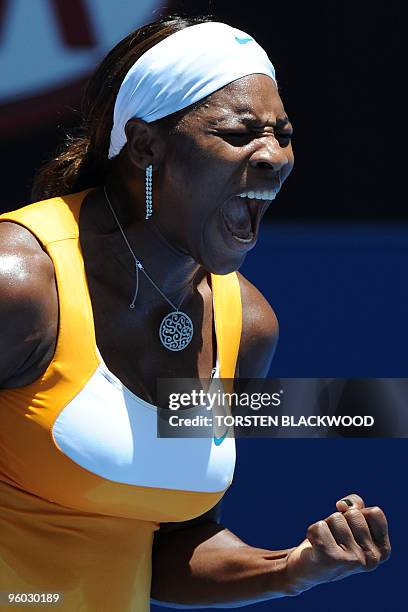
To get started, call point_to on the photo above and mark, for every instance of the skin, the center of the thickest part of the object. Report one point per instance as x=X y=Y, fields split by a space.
x=211 y=156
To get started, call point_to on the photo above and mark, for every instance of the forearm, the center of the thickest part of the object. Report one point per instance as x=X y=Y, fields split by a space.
x=208 y=566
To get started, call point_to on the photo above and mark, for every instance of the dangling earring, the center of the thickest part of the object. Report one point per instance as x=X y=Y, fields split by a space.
x=149 y=196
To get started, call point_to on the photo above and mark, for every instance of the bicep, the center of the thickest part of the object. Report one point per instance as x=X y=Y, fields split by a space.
x=27 y=303
x=16 y=338
x=212 y=516
x=260 y=333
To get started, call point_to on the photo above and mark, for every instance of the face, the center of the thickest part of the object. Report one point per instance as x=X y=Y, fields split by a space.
x=224 y=165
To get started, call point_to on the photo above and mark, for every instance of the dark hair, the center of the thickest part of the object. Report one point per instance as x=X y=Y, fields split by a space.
x=82 y=161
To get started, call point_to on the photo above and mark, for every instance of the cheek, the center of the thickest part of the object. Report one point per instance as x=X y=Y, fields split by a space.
x=291 y=157
x=183 y=155
x=289 y=166
x=203 y=164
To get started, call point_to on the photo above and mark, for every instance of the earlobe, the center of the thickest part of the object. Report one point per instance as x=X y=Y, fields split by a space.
x=144 y=145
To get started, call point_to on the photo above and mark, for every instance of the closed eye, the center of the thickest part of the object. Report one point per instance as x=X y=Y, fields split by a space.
x=235 y=136
x=240 y=138
x=284 y=138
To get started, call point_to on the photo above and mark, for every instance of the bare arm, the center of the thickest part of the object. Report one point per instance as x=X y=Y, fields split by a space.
x=208 y=566
x=260 y=333
x=28 y=307
x=203 y=564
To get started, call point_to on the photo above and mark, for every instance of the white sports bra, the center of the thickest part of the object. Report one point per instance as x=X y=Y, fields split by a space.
x=112 y=432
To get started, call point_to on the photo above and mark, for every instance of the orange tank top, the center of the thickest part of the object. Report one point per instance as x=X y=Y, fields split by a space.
x=84 y=480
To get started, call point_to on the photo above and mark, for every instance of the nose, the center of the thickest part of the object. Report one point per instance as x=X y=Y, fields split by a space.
x=269 y=155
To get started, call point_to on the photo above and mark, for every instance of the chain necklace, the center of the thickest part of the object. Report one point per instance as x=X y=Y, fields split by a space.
x=176 y=328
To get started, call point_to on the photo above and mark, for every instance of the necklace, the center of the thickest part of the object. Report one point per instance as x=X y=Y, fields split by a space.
x=176 y=328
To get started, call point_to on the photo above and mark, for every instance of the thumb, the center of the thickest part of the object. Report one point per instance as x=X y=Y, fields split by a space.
x=350 y=501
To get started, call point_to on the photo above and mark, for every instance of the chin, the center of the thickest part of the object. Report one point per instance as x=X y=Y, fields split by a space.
x=217 y=263
x=219 y=251
x=215 y=254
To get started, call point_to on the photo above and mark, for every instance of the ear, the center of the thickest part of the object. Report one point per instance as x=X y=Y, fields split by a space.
x=144 y=145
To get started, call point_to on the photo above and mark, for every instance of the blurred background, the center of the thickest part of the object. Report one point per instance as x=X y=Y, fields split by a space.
x=333 y=255
x=337 y=68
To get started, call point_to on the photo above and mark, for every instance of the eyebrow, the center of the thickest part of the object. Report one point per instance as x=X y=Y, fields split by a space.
x=250 y=120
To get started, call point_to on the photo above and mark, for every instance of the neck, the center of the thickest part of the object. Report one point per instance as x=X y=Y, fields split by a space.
x=169 y=267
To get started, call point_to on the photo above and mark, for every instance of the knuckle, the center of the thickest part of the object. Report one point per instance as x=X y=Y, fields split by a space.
x=315 y=528
x=372 y=559
x=316 y=533
x=356 y=497
x=385 y=552
x=353 y=513
x=334 y=518
x=376 y=512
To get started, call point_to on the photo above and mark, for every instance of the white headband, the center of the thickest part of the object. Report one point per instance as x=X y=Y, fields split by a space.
x=183 y=68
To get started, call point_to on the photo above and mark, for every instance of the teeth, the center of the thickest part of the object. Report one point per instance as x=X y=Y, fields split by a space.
x=265 y=194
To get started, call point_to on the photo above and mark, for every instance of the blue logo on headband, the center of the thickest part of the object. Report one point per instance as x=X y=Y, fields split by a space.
x=243 y=41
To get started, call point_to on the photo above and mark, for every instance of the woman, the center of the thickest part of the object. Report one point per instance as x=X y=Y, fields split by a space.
x=126 y=274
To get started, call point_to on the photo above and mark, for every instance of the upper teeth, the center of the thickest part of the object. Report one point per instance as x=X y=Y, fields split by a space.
x=264 y=194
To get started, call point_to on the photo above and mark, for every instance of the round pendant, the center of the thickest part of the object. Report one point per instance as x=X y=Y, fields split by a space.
x=176 y=331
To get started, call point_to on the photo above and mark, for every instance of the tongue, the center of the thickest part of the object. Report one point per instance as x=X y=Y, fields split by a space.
x=237 y=217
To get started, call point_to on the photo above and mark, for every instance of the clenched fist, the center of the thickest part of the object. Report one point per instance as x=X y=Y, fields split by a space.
x=354 y=539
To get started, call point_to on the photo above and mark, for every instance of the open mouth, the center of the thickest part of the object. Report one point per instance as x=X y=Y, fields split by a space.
x=242 y=214
x=240 y=219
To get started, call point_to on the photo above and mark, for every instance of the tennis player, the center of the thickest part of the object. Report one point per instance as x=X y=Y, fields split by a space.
x=125 y=271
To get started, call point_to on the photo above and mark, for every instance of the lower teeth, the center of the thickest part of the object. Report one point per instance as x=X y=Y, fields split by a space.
x=247 y=239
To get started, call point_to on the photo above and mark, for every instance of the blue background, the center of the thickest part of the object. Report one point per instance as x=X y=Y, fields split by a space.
x=341 y=297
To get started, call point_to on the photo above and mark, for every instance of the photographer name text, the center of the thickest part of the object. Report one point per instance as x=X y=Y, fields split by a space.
x=258 y=420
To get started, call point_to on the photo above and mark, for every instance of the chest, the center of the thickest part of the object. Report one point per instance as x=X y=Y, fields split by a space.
x=128 y=339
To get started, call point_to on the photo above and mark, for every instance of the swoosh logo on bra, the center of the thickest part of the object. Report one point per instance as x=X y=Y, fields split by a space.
x=243 y=41
x=219 y=441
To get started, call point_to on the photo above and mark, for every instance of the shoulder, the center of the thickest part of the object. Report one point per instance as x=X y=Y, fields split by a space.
x=25 y=266
x=260 y=331
x=28 y=303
